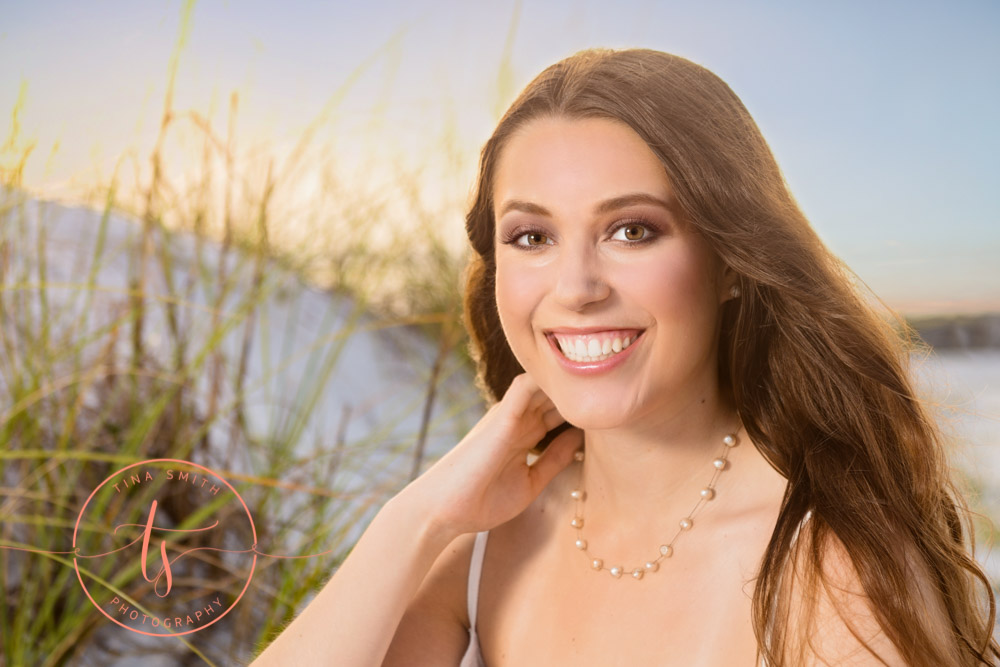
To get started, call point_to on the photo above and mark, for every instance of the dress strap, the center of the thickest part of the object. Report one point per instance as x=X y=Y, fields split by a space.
x=475 y=571
x=798 y=528
x=795 y=536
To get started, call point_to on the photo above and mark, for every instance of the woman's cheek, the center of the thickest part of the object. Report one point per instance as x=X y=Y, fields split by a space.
x=516 y=294
x=676 y=283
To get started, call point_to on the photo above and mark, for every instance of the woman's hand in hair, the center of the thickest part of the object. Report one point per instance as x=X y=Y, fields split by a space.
x=485 y=480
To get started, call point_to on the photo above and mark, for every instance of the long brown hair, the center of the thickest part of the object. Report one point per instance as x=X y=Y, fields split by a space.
x=818 y=377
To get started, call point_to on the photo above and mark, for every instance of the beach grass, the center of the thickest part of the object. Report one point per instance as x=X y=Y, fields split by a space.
x=128 y=384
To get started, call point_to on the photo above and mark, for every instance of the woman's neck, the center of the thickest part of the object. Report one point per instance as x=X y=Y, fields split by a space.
x=642 y=479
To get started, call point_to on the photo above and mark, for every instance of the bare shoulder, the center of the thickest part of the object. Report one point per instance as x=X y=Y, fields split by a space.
x=832 y=621
x=434 y=628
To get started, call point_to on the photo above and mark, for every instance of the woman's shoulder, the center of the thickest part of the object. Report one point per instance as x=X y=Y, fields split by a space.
x=436 y=621
x=442 y=593
x=829 y=609
x=444 y=590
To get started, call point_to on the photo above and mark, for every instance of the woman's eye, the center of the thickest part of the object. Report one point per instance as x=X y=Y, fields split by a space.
x=533 y=238
x=631 y=232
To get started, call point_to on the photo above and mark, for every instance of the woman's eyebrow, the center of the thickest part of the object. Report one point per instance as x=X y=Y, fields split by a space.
x=524 y=207
x=631 y=199
x=605 y=206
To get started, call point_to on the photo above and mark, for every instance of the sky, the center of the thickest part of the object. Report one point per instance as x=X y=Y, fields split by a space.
x=882 y=115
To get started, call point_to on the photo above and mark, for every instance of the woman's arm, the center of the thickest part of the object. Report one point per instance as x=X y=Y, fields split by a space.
x=482 y=482
x=353 y=618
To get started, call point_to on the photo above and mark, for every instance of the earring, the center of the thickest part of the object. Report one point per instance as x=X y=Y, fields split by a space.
x=734 y=291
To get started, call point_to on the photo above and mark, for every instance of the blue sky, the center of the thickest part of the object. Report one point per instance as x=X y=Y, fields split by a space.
x=882 y=114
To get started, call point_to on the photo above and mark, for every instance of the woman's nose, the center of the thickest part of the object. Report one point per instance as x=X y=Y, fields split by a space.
x=580 y=279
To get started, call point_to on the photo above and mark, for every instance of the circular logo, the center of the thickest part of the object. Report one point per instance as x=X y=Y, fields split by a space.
x=164 y=547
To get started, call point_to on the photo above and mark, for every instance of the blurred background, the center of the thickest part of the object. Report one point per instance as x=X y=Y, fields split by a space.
x=233 y=233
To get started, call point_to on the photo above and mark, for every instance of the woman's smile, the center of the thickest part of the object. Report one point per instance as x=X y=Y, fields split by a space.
x=590 y=352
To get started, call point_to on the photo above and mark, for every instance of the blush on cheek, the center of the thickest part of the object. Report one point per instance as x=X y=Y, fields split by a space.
x=513 y=290
x=520 y=289
x=683 y=281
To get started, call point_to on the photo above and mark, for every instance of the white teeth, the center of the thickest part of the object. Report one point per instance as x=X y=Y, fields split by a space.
x=577 y=350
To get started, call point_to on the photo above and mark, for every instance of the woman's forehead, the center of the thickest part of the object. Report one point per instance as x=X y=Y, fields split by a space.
x=576 y=161
x=569 y=161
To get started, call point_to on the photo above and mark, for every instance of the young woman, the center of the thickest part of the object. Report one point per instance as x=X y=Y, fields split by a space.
x=740 y=471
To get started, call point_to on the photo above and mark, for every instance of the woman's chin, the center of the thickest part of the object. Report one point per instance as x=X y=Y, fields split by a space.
x=595 y=420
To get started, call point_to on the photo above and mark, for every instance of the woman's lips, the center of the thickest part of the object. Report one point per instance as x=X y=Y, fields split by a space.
x=594 y=351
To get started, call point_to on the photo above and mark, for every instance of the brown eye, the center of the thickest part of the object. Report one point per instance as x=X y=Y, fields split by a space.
x=634 y=232
x=535 y=238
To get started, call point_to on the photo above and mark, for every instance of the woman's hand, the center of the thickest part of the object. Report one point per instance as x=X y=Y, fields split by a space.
x=485 y=480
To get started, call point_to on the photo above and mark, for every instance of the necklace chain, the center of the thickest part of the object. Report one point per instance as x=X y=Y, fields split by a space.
x=666 y=549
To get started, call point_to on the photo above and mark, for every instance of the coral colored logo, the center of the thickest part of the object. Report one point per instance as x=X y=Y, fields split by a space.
x=188 y=515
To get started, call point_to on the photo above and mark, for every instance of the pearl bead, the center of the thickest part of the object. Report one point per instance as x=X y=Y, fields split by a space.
x=578 y=494
x=577 y=522
x=597 y=563
x=581 y=544
x=616 y=571
x=686 y=523
x=708 y=493
x=730 y=440
x=720 y=464
x=652 y=566
x=578 y=455
x=666 y=550
x=637 y=573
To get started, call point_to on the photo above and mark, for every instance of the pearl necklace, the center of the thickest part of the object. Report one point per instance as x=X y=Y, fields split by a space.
x=667 y=549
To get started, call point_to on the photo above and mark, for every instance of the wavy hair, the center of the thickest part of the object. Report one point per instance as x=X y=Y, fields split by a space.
x=818 y=377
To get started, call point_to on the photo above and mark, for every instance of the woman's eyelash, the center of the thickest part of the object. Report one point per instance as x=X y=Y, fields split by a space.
x=511 y=238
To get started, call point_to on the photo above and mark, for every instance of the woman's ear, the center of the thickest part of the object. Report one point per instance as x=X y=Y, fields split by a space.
x=729 y=285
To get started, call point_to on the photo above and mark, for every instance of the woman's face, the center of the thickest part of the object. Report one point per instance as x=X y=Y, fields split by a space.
x=607 y=297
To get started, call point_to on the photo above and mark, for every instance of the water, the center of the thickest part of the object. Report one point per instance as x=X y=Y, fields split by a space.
x=965 y=387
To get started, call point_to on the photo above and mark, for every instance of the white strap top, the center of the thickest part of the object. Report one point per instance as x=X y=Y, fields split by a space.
x=473 y=656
